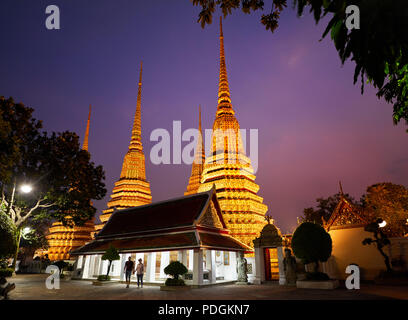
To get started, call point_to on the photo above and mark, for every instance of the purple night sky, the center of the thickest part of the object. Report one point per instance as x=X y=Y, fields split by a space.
x=315 y=128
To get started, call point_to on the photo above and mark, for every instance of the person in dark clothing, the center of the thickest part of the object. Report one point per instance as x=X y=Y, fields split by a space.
x=129 y=269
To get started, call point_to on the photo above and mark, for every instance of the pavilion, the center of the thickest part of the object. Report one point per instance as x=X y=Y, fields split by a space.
x=190 y=229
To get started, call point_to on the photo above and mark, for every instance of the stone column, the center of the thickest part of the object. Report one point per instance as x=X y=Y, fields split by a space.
x=211 y=266
x=123 y=258
x=190 y=260
x=182 y=257
x=101 y=262
x=164 y=262
x=151 y=267
x=282 y=277
x=259 y=266
x=198 y=267
x=85 y=272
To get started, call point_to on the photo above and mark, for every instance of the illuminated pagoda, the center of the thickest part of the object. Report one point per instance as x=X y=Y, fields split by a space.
x=62 y=239
x=132 y=189
x=230 y=169
x=198 y=163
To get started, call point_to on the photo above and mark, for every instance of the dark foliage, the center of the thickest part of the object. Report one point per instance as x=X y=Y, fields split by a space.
x=311 y=243
x=324 y=208
x=175 y=269
x=7 y=272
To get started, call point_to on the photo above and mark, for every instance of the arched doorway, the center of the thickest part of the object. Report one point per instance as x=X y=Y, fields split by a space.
x=268 y=255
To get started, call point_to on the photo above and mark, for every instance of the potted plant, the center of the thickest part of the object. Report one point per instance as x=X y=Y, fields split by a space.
x=312 y=244
x=175 y=269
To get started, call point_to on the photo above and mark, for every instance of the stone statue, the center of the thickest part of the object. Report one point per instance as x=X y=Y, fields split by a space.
x=5 y=287
x=242 y=269
x=289 y=266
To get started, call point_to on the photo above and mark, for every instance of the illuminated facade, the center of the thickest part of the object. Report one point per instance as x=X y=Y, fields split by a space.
x=198 y=163
x=230 y=169
x=61 y=239
x=132 y=189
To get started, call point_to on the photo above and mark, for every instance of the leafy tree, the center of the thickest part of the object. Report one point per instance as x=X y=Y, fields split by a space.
x=311 y=243
x=389 y=202
x=8 y=241
x=380 y=240
x=110 y=254
x=325 y=207
x=61 y=174
x=175 y=269
x=379 y=48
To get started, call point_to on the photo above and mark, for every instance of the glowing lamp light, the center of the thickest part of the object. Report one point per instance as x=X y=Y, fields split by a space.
x=26 y=188
x=382 y=224
x=26 y=230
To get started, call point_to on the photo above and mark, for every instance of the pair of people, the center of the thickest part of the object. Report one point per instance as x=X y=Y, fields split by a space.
x=130 y=269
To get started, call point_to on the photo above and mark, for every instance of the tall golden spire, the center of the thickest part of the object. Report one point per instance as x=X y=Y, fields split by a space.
x=136 y=140
x=132 y=189
x=86 y=137
x=230 y=170
x=198 y=163
x=224 y=99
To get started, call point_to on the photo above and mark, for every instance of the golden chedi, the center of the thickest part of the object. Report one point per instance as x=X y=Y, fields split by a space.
x=230 y=169
x=132 y=189
x=198 y=162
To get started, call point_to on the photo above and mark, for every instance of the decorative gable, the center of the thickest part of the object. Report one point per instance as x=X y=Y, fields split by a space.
x=345 y=215
x=210 y=218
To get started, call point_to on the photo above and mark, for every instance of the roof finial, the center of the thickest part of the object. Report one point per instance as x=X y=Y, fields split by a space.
x=224 y=99
x=136 y=141
x=86 y=137
x=341 y=189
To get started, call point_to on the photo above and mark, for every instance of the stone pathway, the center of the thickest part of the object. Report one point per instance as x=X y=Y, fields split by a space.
x=32 y=287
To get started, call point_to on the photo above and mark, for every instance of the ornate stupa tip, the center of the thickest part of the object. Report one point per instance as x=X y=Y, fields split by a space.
x=341 y=189
x=140 y=75
x=86 y=137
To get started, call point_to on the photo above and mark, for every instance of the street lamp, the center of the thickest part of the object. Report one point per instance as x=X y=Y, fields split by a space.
x=26 y=188
x=382 y=224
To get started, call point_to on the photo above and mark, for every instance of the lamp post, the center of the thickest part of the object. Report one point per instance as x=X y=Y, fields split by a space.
x=25 y=188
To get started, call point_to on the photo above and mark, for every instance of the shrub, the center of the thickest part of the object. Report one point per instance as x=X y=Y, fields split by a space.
x=110 y=254
x=175 y=269
x=311 y=243
x=6 y=272
x=103 y=277
x=174 y=282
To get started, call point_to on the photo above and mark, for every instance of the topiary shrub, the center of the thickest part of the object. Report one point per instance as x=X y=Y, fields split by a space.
x=311 y=243
x=175 y=269
x=111 y=254
x=6 y=272
x=103 y=277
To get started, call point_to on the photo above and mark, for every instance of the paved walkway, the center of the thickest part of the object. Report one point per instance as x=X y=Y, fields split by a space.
x=32 y=287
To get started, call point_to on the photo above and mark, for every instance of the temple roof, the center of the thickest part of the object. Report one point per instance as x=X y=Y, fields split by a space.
x=345 y=215
x=188 y=222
